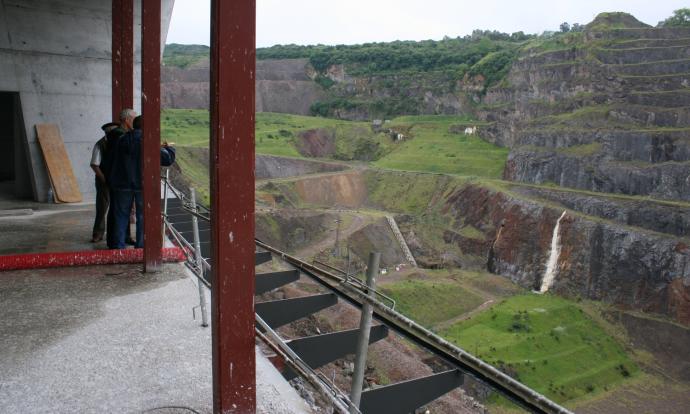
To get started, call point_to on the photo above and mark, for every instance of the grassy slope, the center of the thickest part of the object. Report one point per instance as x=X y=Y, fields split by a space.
x=548 y=343
x=186 y=127
x=403 y=193
x=432 y=301
x=430 y=146
x=275 y=133
x=195 y=172
x=434 y=149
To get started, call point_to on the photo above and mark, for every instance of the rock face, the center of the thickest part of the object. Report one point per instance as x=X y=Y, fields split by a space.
x=630 y=252
x=291 y=232
x=607 y=112
x=285 y=86
x=600 y=260
x=668 y=180
x=281 y=86
x=659 y=217
x=316 y=143
x=185 y=88
x=669 y=342
x=347 y=190
x=406 y=93
x=377 y=237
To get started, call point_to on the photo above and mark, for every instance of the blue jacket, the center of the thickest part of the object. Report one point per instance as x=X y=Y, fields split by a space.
x=126 y=170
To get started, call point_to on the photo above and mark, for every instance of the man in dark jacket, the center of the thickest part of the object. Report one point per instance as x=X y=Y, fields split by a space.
x=111 y=166
x=126 y=181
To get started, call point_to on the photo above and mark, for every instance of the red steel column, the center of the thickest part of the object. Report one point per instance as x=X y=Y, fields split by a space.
x=151 y=110
x=122 y=56
x=117 y=58
x=127 y=83
x=233 y=53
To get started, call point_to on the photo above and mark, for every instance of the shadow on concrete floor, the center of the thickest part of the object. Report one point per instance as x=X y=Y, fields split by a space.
x=46 y=228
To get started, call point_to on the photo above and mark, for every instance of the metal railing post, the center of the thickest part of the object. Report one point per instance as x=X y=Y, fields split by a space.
x=165 y=199
x=198 y=259
x=364 y=329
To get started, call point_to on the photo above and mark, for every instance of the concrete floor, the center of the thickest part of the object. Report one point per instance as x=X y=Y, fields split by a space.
x=108 y=339
x=29 y=227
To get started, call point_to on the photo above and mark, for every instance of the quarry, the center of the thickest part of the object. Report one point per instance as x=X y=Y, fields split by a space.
x=511 y=211
x=555 y=236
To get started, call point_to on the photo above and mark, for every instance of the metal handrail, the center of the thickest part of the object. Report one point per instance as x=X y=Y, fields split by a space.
x=358 y=283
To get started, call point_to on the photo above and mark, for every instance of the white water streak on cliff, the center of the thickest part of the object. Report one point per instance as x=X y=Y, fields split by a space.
x=551 y=265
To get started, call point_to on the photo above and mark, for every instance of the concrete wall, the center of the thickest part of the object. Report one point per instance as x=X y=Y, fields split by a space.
x=57 y=55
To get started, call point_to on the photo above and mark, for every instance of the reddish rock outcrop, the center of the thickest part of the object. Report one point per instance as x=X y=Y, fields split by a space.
x=630 y=267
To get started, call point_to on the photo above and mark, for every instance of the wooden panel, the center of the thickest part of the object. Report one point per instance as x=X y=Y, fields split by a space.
x=59 y=167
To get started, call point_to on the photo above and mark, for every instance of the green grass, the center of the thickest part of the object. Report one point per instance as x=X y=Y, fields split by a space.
x=275 y=133
x=189 y=127
x=195 y=172
x=558 y=42
x=183 y=56
x=432 y=301
x=431 y=147
x=409 y=193
x=548 y=343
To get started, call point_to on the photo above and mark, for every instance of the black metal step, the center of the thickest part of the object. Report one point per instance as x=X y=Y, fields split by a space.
x=320 y=350
x=268 y=281
x=277 y=313
x=405 y=397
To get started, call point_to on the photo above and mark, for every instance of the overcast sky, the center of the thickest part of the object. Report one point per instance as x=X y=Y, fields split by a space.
x=359 y=21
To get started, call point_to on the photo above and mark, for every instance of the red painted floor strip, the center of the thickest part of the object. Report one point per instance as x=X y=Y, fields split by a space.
x=84 y=258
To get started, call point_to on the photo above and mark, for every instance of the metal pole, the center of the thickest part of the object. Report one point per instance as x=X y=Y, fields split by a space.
x=347 y=271
x=165 y=200
x=364 y=328
x=336 y=248
x=198 y=259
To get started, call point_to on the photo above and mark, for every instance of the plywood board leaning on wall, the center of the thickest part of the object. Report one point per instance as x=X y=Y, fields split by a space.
x=60 y=172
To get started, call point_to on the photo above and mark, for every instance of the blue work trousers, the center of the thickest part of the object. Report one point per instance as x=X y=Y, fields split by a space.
x=121 y=205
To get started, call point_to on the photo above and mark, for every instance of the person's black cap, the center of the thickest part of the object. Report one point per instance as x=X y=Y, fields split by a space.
x=109 y=125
